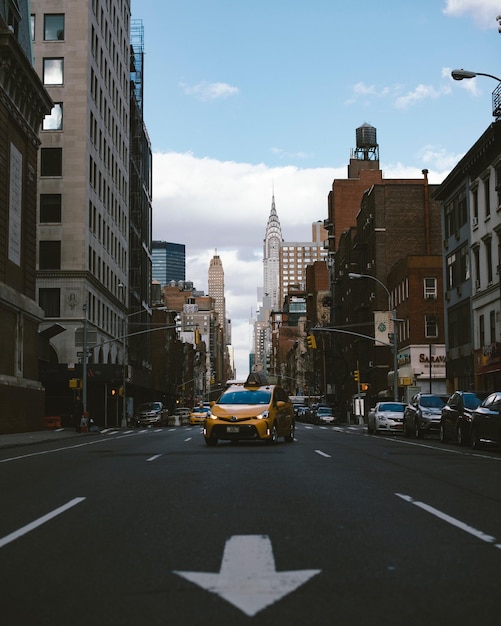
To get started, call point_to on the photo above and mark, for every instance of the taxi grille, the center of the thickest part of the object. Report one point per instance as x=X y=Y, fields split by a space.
x=245 y=431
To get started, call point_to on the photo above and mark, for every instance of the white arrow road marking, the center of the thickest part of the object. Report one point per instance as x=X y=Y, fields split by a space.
x=248 y=578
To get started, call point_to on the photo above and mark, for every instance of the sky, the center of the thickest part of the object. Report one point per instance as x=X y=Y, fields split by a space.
x=246 y=99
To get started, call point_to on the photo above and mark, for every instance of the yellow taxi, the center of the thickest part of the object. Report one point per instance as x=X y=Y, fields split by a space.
x=198 y=414
x=252 y=411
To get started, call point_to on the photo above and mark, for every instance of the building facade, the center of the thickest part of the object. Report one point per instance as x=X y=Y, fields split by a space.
x=271 y=258
x=94 y=202
x=23 y=104
x=169 y=262
x=296 y=256
x=471 y=222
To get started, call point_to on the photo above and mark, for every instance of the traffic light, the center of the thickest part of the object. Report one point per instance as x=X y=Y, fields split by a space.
x=311 y=341
x=356 y=376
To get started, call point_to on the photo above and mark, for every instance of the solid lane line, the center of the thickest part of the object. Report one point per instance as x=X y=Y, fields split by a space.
x=154 y=457
x=447 y=518
x=38 y=522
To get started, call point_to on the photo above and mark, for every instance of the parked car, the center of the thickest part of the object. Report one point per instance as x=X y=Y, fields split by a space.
x=455 y=423
x=486 y=422
x=387 y=417
x=252 y=411
x=423 y=413
x=325 y=415
x=151 y=414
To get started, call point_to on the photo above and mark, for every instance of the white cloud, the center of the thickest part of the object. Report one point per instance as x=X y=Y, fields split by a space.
x=483 y=12
x=421 y=92
x=209 y=91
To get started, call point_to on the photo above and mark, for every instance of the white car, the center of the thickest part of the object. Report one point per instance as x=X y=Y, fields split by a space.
x=386 y=417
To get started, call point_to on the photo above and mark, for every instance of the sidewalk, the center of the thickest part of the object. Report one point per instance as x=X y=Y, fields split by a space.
x=39 y=436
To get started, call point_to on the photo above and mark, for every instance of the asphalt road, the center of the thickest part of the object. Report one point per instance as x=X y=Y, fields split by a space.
x=152 y=527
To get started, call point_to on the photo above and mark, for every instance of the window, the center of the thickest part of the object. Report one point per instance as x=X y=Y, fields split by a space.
x=49 y=300
x=430 y=287
x=492 y=325
x=51 y=162
x=53 y=71
x=431 y=326
x=481 y=330
x=487 y=196
x=50 y=207
x=488 y=260
x=54 y=121
x=32 y=26
x=49 y=255
x=53 y=27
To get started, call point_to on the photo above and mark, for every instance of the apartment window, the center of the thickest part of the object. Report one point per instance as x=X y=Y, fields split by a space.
x=431 y=326
x=451 y=271
x=49 y=255
x=487 y=196
x=53 y=27
x=492 y=326
x=49 y=299
x=50 y=207
x=481 y=330
x=51 y=162
x=53 y=71
x=430 y=287
x=488 y=259
x=32 y=26
x=54 y=121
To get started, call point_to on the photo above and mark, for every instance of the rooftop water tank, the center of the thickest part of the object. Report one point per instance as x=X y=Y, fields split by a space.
x=366 y=136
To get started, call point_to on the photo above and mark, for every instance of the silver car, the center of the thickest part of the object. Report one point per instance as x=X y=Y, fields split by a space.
x=386 y=417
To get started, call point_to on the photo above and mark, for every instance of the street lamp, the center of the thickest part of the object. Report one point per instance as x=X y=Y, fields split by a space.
x=461 y=74
x=496 y=94
x=353 y=276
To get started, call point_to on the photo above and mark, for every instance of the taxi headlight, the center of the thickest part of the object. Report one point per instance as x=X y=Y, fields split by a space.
x=264 y=415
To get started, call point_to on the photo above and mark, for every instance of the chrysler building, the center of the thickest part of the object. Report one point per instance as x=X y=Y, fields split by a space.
x=271 y=258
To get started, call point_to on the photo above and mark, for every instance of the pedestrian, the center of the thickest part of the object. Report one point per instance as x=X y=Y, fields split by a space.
x=78 y=410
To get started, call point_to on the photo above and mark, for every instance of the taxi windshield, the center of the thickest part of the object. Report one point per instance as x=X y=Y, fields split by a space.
x=246 y=396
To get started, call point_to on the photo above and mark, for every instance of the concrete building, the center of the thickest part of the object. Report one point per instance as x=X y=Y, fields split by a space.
x=94 y=204
x=23 y=104
x=296 y=256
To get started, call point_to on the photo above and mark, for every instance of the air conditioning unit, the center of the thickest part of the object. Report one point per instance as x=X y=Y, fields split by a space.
x=474 y=222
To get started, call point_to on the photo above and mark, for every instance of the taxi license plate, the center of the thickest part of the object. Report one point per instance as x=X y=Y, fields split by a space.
x=232 y=429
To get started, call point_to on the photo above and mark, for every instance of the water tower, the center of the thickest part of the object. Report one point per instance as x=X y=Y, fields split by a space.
x=367 y=148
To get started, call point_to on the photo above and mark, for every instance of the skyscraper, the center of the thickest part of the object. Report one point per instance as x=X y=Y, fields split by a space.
x=216 y=288
x=271 y=258
x=169 y=261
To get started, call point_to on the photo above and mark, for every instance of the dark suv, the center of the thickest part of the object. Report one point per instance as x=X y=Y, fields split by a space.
x=423 y=413
x=455 y=424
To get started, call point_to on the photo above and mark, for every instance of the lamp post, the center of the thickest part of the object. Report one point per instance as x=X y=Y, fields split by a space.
x=496 y=94
x=354 y=276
